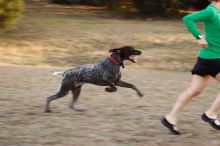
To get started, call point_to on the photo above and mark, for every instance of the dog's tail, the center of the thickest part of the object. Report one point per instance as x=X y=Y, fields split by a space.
x=58 y=73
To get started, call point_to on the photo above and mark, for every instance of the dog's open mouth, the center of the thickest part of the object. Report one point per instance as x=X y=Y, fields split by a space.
x=132 y=58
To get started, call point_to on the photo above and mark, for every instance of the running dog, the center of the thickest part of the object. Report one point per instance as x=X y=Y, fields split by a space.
x=103 y=73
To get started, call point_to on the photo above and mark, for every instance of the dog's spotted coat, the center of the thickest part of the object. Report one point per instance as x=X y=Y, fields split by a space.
x=94 y=73
x=103 y=73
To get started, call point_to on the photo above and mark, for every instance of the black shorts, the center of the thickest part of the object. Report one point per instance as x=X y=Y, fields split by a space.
x=205 y=67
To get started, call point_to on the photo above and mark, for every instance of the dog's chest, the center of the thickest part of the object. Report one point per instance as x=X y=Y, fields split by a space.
x=118 y=73
x=115 y=73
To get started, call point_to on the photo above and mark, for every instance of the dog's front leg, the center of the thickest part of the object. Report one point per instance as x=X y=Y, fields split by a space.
x=107 y=79
x=111 y=88
x=128 y=85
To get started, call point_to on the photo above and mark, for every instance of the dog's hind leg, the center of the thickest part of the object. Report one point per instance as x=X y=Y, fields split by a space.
x=63 y=91
x=128 y=85
x=76 y=92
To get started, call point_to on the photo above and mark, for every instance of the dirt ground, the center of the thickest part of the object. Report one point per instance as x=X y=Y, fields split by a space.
x=111 y=119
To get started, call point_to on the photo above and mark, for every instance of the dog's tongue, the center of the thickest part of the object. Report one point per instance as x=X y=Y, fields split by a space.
x=132 y=58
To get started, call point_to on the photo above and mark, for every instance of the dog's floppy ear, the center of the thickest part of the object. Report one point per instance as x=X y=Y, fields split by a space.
x=116 y=50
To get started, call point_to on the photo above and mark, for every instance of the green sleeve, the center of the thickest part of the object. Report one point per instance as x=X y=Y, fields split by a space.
x=190 y=19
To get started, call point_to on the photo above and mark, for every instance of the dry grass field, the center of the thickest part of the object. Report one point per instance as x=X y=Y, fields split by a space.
x=67 y=36
x=54 y=38
x=117 y=119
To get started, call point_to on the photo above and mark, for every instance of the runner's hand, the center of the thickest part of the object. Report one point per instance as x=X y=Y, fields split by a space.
x=202 y=42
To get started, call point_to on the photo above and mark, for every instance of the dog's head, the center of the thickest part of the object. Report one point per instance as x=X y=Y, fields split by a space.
x=127 y=53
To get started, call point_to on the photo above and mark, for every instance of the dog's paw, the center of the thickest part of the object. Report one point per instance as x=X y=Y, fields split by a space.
x=110 y=89
x=140 y=94
x=77 y=109
x=48 y=111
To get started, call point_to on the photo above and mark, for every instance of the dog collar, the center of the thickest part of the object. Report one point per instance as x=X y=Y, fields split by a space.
x=115 y=61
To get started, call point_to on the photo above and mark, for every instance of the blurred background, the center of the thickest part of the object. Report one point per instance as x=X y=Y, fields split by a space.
x=70 y=32
x=38 y=37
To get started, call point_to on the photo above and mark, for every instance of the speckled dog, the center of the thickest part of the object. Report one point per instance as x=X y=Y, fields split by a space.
x=103 y=73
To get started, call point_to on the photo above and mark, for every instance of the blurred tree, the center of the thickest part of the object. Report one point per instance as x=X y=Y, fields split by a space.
x=110 y=4
x=161 y=7
x=10 y=10
x=121 y=5
x=92 y=2
x=146 y=7
x=65 y=1
x=150 y=7
x=86 y=2
x=201 y=4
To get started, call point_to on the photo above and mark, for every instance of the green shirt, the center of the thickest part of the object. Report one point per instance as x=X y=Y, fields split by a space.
x=211 y=20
